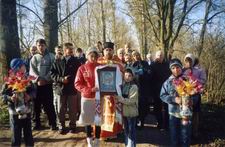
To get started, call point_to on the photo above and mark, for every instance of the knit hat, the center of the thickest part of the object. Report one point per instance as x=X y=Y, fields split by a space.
x=191 y=56
x=109 y=45
x=175 y=61
x=91 y=49
x=16 y=63
x=135 y=53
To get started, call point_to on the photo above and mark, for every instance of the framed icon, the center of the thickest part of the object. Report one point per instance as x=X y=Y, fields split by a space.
x=107 y=80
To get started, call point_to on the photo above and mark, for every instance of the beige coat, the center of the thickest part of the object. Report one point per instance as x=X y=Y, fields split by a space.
x=130 y=104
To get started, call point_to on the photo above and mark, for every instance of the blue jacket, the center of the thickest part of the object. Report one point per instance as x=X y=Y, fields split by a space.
x=168 y=95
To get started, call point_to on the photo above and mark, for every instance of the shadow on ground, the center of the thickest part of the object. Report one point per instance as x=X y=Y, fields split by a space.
x=212 y=125
x=150 y=134
x=212 y=132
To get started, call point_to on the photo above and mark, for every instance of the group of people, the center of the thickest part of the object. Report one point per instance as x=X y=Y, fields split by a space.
x=72 y=82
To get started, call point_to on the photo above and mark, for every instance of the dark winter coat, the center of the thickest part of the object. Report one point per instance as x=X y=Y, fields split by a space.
x=62 y=68
x=160 y=72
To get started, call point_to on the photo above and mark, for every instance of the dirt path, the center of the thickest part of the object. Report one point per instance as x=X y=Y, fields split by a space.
x=147 y=137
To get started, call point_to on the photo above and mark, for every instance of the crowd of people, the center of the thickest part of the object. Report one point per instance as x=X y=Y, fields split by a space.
x=69 y=81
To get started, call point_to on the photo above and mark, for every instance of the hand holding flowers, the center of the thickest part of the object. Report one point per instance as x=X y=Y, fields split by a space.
x=19 y=82
x=185 y=88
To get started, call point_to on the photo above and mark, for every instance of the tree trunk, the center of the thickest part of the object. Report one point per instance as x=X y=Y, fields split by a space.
x=51 y=23
x=203 y=29
x=9 y=39
x=103 y=22
x=145 y=47
x=20 y=23
x=114 y=32
x=166 y=9
x=60 y=18
x=89 y=25
x=68 y=21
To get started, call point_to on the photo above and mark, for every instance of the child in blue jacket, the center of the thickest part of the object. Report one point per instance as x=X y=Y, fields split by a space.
x=19 y=106
x=180 y=132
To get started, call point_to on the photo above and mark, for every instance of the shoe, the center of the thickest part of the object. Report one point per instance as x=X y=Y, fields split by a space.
x=97 y=143
x=62 y=131
x=37 y=127
x=54 y=128
x=73 y=130
x=90 y=142
x=140 y=127
x=159 y=126
x=195 y=135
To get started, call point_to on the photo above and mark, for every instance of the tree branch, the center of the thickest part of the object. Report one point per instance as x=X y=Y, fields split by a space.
x=31 y=11
x=148 y=16
x=222 y=11
x=64 y=19
x=184 y=14
x=170 y=19
x=193 y=6
x=189 y=26
x=203 y=29
x=180 y=23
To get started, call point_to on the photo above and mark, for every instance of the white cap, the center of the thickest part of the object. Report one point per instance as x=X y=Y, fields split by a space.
x=191 y=56
x=91 y=49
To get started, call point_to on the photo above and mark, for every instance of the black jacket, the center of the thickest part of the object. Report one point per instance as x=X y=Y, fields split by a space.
x=82 y=60
x=60 y=69
x=160 y=72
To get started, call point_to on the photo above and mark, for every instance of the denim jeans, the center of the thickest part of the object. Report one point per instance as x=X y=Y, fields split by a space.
x=180 y=134
x=130 y=131
x=56 y=105
x=19 y=125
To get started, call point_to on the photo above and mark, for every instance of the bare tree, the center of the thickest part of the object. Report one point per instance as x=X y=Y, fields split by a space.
x=103 y=21
x=165 y=19
x=20 y=20
x=89 y=25
x=60 y=19
x=213 y=59
x=9 y=40
x=51 y=23
x=210 y=8
x=113 y=13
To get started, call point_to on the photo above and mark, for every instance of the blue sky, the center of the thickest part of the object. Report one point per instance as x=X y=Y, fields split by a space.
x=32 y=17
x=195 y=15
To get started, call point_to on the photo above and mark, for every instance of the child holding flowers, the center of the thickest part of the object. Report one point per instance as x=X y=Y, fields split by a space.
x=17 y=92
x=178 y=92
x=192 y=69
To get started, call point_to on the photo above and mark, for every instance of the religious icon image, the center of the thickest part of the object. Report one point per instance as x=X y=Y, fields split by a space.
x=107 y=81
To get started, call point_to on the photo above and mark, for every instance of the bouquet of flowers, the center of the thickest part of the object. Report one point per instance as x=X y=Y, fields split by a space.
x=19 y=83
x=185 y=88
